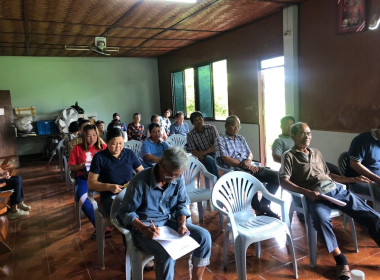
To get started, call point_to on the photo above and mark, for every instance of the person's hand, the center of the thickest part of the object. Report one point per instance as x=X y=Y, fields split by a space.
x=151 y=231
x=6 y=175
x=201 y=158
x=313 y=196
x=114 y=188
x=182 y=229
x=361 y=179
x=254 y=169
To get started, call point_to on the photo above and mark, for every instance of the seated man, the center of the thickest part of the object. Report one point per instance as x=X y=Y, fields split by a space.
x=364 y=154
x=303 y=170
x=284 y=142
x=157 y=197
x=201 y=142
x=232 y=151
x=116 y=117
x=153 y=148
x=179 y=126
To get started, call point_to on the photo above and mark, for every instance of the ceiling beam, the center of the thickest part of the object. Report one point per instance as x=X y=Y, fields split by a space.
x=26 y=26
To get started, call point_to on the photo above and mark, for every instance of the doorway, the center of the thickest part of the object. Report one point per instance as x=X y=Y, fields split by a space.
x=273 y=104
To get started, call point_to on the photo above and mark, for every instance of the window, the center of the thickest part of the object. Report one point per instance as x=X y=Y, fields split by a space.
x=202 y=88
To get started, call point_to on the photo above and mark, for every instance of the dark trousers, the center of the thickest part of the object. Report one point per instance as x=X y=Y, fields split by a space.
x=270 y=177
x=14 y=183
x=355 y=208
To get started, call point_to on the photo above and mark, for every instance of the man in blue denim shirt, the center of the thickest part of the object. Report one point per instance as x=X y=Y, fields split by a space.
x=157 y=197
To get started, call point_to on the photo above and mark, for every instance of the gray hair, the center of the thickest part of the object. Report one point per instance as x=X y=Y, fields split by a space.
x=231 y=118
x=294 y=127
x=175 y=158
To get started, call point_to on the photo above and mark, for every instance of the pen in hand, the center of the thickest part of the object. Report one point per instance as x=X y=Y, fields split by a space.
x=152 y=224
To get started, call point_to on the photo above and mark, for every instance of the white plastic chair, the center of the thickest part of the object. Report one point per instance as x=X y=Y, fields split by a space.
x=177 y=140
x=135 y=260
x=232 y=195
x=311 y=233
x=101 y=222
x=196 y=194
x=135 y=146
x=343 y=165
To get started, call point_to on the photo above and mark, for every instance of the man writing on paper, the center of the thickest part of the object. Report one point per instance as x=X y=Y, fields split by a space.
x=157 y=197
x=304 y=170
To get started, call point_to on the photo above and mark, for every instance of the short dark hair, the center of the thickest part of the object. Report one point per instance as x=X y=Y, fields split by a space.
x=114 y=132
x=170 y=111
x=195 y=115
x=74 y=127
x=99 y=122
x=115 y=114
x=152 y=125
x=136 y=114
x=287 y=118
x=294 y=127
x=153 y=117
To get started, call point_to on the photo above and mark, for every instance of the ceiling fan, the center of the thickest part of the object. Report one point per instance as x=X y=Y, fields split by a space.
x=100 y=47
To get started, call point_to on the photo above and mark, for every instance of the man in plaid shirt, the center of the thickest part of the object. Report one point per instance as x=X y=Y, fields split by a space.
x=232 y=151
x=201 y=142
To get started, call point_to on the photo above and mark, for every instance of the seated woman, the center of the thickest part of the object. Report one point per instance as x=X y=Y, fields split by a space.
x=79 y=162
x=153 y=148
x=112 y=168
x=135 y=129
x=156 y=119
x=18 y=207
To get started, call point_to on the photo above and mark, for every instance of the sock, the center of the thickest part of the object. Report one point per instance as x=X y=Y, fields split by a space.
x=340 y=259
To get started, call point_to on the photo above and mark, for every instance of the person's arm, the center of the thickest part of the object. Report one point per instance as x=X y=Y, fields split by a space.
x=95 y=185
x=150 y=231
x=362 y=170
x=151 y=158
x=277 y=150
x=182 y=229
x=73 y=163
x=290 y=186
x=276 y=158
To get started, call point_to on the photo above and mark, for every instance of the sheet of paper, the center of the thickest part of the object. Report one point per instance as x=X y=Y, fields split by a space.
x=176 y=246
x=333 y=200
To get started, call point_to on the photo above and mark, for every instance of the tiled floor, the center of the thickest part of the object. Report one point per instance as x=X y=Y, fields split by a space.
x=47 y=245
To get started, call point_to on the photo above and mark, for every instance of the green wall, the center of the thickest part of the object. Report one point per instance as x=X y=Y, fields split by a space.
x=101 y=85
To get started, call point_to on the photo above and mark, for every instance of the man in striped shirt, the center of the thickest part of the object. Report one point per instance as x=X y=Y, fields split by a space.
x=201 y=142
x=232 y=151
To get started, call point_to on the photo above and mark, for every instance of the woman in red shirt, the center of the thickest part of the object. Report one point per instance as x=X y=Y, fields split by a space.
x=79 y=163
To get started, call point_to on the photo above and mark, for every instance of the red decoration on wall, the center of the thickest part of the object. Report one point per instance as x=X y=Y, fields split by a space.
x=351 y=15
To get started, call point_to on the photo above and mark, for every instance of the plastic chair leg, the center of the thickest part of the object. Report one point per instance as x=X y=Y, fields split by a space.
x=290 y=243
x=240 y=259
x=200 y=210
x=225 y=247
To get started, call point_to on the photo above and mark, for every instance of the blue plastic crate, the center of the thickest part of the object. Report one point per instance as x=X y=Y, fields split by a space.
x=46 y=127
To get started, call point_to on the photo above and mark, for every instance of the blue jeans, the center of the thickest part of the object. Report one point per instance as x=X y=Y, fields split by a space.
x=355 y=207
x=81 y=191
x=209 y=163
x=14 y=183
x=164 y=263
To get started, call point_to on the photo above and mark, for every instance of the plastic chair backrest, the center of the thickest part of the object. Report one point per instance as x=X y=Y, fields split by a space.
x=177 y=140
x=135 y=146
x=233 y=192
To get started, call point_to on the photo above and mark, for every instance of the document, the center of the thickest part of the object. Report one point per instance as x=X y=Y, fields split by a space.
x=176 y=246
x=333 y=200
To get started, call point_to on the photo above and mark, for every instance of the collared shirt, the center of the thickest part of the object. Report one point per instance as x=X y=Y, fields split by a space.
x=155 y=149
x=365 y=148
x=235 y=148
x=202 y=140
x=165 y=123
x=148 y=202
x=282 y=144
x=136 y=132
x=176 y=128
x=114 y=170
x=307 y=171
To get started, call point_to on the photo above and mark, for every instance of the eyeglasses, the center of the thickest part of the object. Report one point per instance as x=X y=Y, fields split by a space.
x=303 y=134
x=168 y=176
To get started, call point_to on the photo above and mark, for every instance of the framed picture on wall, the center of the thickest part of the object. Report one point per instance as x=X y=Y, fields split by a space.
x=351 y=15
